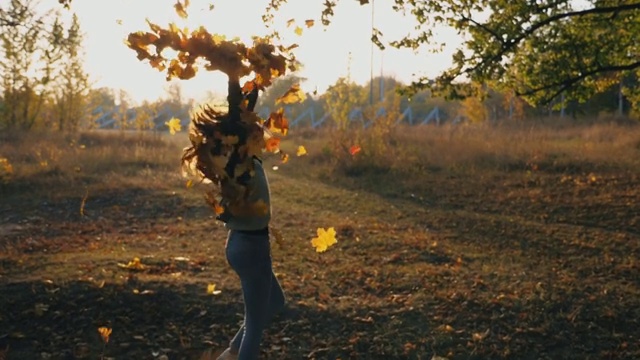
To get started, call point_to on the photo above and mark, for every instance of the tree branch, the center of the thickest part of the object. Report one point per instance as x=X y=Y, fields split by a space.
x=568 y=83
x=510 y=45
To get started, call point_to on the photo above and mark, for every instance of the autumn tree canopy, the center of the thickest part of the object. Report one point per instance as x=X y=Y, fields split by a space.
x=537 y=49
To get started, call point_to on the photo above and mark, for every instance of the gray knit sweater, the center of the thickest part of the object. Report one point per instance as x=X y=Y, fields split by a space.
x=258 y=190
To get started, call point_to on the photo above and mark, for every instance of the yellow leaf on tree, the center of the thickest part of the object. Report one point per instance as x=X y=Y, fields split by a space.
x=293 y=95
x=301 y=151
x=324 y=240
x=174 y=125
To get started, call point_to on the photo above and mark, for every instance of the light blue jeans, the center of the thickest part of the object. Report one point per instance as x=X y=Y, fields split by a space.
x=249 y=256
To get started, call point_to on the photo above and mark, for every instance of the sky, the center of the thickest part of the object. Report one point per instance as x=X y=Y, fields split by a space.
x=327 y=53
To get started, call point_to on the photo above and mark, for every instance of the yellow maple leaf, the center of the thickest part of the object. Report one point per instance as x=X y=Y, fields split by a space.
x=211 y=289
x=134 y=264
x=293 y=95
x=104 y=333
x=324 y=240
x=174 y=125
x=301 y=151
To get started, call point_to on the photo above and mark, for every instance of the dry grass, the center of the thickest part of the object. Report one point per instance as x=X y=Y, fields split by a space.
x=464 y=242
x=100 y=159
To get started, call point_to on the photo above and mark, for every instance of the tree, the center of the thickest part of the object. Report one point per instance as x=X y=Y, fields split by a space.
x=539 y=49
x=342 y=97
x=31 y=46
x=72 y=82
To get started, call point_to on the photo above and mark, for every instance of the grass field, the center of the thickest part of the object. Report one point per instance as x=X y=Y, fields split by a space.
x=462 y=243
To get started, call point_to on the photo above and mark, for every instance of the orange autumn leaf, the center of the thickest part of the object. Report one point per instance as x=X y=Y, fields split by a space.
x=293 y=95
x=277 y=122
x=284 y=158
x=291 y=22
x=309 y=23
x=272 y=144
x=354 y=149
x=248 y=86
x=324 y=240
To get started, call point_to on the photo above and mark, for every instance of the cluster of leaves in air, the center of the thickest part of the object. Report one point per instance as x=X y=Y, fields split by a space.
x=224 y=143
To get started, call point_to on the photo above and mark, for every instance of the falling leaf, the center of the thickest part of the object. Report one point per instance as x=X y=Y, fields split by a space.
x=119 y=21
x=309 y=23
x=248 y=86
x=277 y=122
x=104 y=333
x=293 y=95
x=324 y=240
x=354 y=149
x=218 y=209
x=301 y=151
x=298 y=31
x=211 y=7
x=272 y=144
x=211 y=290
x=189 y=184
x=291 y=22
x=181 y=8
x=174 y=125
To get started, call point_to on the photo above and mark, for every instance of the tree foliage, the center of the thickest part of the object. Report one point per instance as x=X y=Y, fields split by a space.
x=44 y=82
x=539 y=49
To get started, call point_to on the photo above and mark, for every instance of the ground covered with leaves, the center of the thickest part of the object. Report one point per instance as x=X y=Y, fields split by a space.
x=509 y=264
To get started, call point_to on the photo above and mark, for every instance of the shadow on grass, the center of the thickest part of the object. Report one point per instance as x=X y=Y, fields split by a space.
x=149 y=320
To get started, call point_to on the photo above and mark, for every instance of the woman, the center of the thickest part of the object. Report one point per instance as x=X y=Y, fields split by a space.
x=248 y=252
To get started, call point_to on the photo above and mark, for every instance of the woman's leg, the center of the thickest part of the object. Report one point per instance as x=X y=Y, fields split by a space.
x=250 y=257
x=276 y=303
